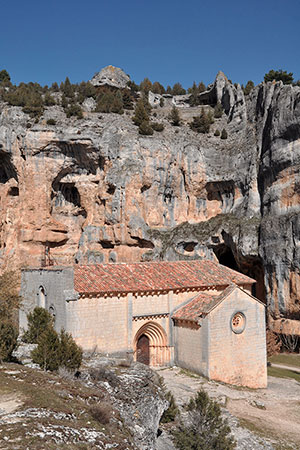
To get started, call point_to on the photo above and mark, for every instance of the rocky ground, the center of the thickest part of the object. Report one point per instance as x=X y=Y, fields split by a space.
x=259 y=419
x=111 y=405
x=118 y=404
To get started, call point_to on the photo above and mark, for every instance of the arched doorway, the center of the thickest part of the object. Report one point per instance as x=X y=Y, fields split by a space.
x=151 y=345
x=143 y=350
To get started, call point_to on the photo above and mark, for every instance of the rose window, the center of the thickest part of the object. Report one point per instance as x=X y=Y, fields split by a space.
x=238 y=322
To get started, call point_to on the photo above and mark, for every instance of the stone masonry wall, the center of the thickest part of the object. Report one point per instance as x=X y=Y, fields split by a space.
x=99 y=322
x=238 y=358
x=191 y=347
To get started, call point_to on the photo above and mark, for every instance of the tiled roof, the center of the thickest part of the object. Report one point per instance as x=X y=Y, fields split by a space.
x=154 y=276
x=201 y=304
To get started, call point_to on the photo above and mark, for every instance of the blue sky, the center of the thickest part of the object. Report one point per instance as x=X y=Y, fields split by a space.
x=166 y=41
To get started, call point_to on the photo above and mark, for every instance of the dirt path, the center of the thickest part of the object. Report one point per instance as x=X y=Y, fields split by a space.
x=273 y=413
x=283 y=366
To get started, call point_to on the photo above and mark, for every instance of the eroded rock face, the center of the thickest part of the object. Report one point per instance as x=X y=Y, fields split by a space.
x=112 y=76
x=94 y=190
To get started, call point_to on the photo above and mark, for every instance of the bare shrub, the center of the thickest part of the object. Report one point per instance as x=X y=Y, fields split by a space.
x=103 y=374
x=274 y=343
x=102 y=412
x=289 y=341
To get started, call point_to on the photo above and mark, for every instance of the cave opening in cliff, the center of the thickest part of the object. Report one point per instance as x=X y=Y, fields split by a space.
x=66 y=193
x=13 y=191
x=226 y=257
x=251 y=266
x=7 y=170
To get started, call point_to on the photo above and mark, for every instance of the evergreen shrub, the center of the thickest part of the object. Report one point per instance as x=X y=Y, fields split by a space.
x=207 y=429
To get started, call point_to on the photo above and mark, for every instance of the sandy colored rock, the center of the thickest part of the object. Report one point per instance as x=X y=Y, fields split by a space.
x=94 y=190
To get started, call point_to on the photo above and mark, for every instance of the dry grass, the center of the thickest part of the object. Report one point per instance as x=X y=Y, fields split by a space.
x=283 y=373
x=48 y=391
x=287 y=359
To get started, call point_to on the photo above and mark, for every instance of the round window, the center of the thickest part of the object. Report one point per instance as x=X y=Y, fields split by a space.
x=238 y=322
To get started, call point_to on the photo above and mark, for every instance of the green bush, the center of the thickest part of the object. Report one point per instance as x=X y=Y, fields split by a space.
x=101 y=413
x=175 y=117
x=39 y=320
x=217 y=133
x=207 y=429
x=140 y=113
x=249 y=87
x=279 y=75
x=109 y=101
x=127 y=99
x=8 y=340
x=4 y=76
x=47 y=352
x=157 y=126
x=218 y=111
x=201 y=124
x=54 y=351
x=170 y=414
x=9 y=304
x=224 y=134
x=51 y=122
x=49 y=100
x=74 y=110
x=161 y=102
x=70 y=353
x=145 y=128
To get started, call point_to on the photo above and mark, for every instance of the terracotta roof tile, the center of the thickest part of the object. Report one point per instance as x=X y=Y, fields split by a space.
x=201 y=304
x=154 y=276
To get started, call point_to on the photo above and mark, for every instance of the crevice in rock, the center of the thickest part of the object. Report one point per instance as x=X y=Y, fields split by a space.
x=7 y=169
x=145 y=187
x=106 y=244
x=111 y=189
x=13 y=191
x=142 y=243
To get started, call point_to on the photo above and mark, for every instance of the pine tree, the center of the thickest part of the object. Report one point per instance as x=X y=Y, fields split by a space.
x=70 y=354
x=175 y=117
x=38 y=321
x=224 y=134
x=201 y=124
x=249 y=87
x=47 y=354
x=201 y=87
x=145 y=128
x=207 y=429
x=140 y=113
x=279 y=75
x=146 y=85
x=218 y=111
x=178 y=89
x=157 y=88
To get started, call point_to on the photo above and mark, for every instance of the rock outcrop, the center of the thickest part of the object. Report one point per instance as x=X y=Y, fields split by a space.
x=94 y=190
x=111 y=76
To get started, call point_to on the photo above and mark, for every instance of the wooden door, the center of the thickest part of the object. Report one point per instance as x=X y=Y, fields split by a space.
x=143 y=350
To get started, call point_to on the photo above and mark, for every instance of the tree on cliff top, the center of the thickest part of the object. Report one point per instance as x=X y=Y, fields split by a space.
x=4 y=76
x=279 y=75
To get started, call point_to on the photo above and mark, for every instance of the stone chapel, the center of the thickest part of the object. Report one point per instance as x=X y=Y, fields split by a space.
x=198 y=314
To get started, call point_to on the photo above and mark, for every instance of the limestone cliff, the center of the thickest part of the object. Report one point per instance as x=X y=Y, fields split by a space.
x=94 y=190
